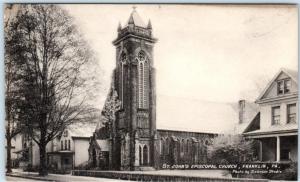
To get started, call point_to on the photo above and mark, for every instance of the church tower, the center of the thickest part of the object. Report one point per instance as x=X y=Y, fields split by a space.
x=134 y=132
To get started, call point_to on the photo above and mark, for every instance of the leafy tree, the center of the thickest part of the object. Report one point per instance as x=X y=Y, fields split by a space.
x=230 y=149
x=51 y=58
x=106 y=128
x=111 y=106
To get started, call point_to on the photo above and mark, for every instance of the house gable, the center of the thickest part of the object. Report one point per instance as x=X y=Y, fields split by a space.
x=66 y=141
x=271 y=90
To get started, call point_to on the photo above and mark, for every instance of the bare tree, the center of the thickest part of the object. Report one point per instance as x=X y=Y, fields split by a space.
x=12 y=103
x=51 y=56
x=12 y=97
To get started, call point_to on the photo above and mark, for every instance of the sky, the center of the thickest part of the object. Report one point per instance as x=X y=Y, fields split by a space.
x=205 y=53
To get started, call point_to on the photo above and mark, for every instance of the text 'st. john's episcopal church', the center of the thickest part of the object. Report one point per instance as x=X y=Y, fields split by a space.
x=132 y=142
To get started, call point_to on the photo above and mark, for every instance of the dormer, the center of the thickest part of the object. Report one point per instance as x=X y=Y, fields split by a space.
x=283 y=85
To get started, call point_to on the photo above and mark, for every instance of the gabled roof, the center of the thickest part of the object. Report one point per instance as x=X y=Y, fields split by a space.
x=82 y=129
x=136 y=19
x=250 y=111
x=291 y=73
x=254 y=124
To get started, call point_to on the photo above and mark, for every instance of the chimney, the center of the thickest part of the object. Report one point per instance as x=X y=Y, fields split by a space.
x=242 y=104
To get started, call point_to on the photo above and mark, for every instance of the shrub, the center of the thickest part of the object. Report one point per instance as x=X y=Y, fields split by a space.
x=226 y=149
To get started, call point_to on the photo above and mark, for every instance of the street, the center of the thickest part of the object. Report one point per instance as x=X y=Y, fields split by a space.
x=9 y=178
x=65 y=178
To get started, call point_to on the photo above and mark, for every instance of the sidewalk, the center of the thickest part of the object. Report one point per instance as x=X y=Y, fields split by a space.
x=57 y=177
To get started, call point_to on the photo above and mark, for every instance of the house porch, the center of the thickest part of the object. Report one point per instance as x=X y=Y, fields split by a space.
x=277 y=148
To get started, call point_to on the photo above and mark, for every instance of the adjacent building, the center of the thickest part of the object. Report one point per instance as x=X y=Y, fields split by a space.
x=71 y=149
x=276 y=126
x=66 y=152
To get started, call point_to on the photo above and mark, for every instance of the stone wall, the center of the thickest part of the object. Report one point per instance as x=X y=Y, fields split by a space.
x=154 y=177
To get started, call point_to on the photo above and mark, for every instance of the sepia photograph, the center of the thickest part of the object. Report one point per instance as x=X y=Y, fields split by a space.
x=151 y=92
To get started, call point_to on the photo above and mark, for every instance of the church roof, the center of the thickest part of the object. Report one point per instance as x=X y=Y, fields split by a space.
x=183 y=114
x=135 y=19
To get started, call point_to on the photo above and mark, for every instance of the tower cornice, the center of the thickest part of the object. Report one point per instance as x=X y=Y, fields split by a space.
x=148 y=39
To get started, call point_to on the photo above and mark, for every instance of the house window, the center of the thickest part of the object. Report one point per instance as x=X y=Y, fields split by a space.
x=66 y=145
x=287 y=86
x=283 y=86
x=65 y=133
x=61 y=145
x=291 y=113
x=69 y=145
x=275 y=115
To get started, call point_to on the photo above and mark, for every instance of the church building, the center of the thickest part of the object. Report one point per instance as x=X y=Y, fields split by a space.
x=133 y=142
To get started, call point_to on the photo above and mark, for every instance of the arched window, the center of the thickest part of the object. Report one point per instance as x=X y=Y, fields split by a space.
x=143 y=76
x=182 y=146
x=140 y=155
x=145 y=155
x=160 y=146
x=195 y=152
x=167 y=146
x=141 y=89
x=164 y=147
x=187 y=146
x=123 y=60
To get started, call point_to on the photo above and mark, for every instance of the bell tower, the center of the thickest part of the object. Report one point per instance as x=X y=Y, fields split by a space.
x=134 y=80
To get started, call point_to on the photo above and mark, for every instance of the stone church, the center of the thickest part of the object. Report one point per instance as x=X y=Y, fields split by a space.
x=133 y=142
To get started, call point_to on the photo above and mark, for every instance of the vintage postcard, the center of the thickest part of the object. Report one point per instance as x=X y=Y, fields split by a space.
x=151 y=92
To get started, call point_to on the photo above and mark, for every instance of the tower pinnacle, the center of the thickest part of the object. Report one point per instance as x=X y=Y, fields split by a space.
x=149 y=26
x=135 y=19
x=119 y=27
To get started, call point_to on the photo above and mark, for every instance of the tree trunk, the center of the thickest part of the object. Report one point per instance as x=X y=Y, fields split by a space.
x=43 y=171
x=43 y=160
x=8 y=155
